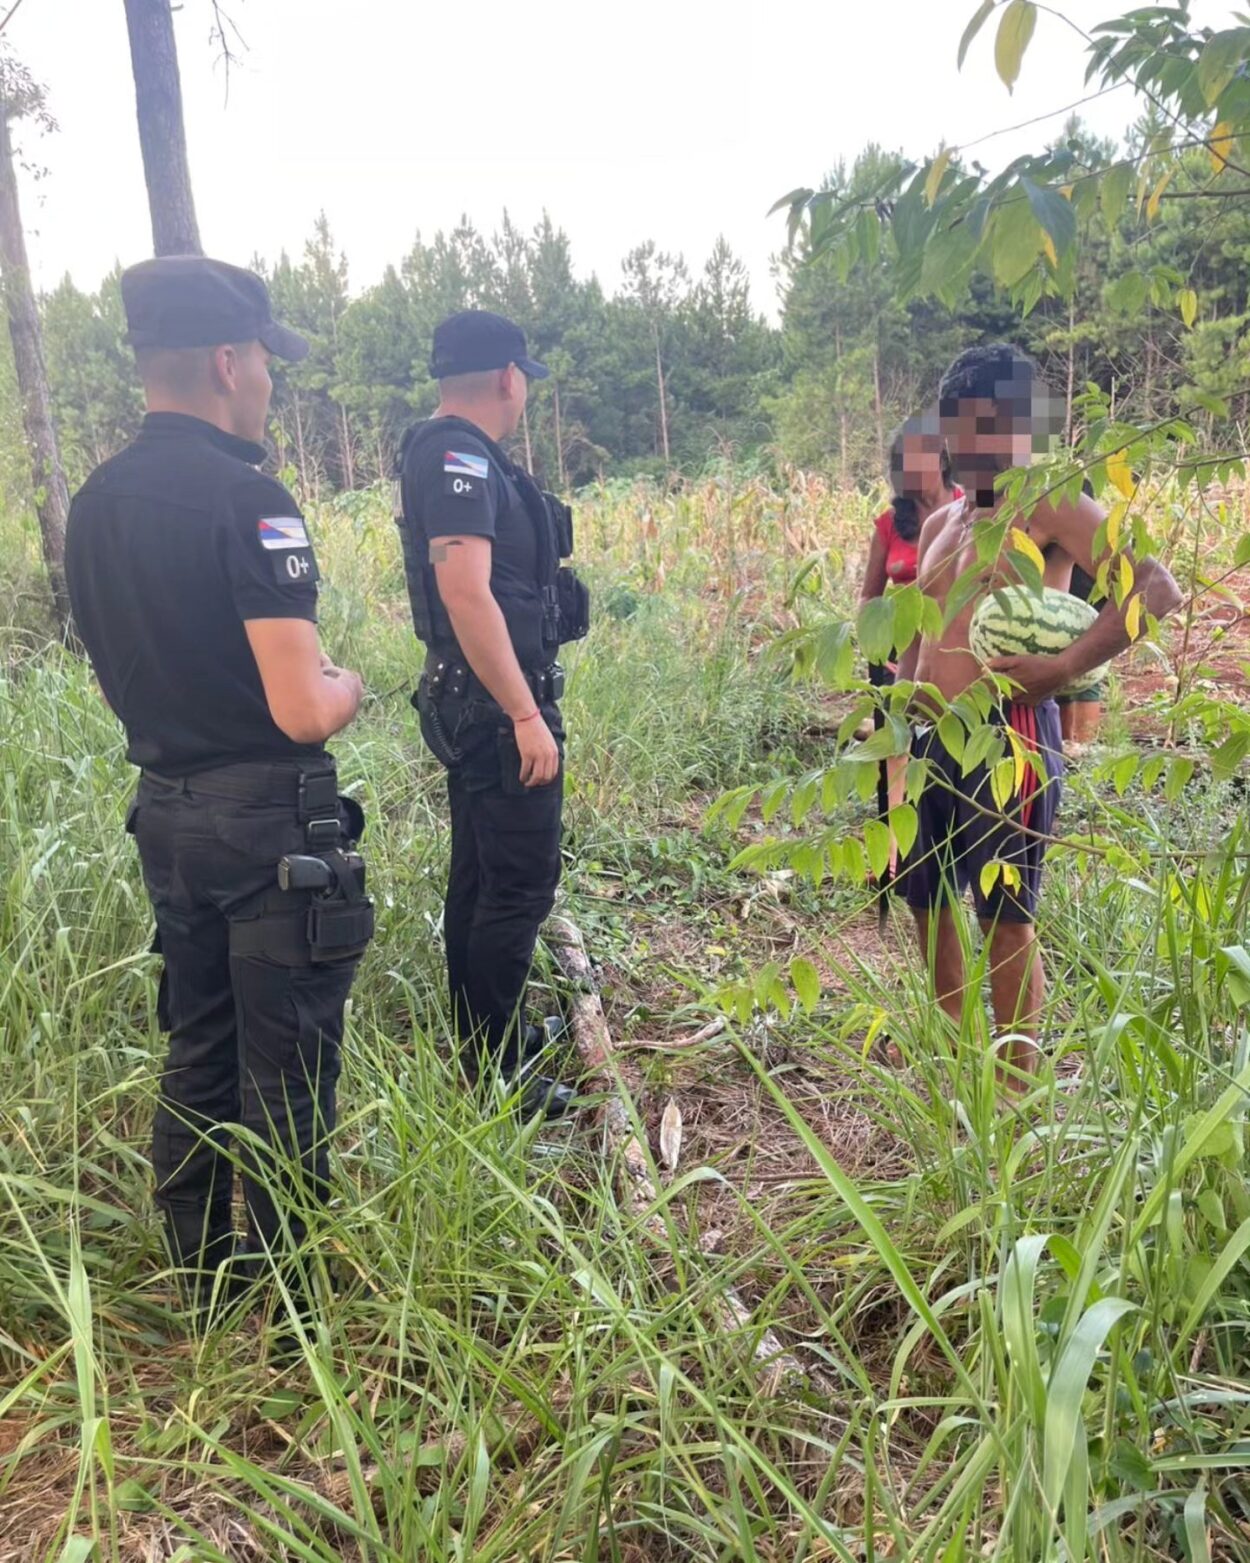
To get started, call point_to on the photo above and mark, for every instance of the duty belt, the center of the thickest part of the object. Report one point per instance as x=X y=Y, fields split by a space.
x=449 y=676
x=311 y=789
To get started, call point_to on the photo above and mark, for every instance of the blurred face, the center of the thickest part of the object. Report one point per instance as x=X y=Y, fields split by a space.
x=986 y=438
x=242 y=370
x=922 y=465
x=514 y=387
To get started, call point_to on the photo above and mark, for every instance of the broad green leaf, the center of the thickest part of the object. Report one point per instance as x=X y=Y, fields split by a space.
x=1227 y=758
x=972 y=29
x=950 y=731
x=1188 y=301
x=1012 y=39
x=1017 y=241
x=905 y=824
x=989 y=876
x=78 y=1549
x=908 y=612
x=1066 y=1390
x=1179 y=773
x=1219 y=60
x=875 y=628
x=806 y=983
x=1124 y=772
x=835 y=654
x=1055 y=214
x=1003 y=782
x=1241 y=553
x=1113 y=189
x=877 y=846
x=983 y=742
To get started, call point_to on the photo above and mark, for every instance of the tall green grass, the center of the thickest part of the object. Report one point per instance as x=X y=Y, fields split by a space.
x=1025 y=1330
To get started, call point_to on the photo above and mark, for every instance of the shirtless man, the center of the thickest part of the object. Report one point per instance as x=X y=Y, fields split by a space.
x=988 y=402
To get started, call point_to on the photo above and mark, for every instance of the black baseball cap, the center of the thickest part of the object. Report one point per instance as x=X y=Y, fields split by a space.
x=192 y=301
x=476 y=339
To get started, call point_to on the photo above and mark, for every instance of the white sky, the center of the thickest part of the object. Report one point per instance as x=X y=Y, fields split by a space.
x=672 y=121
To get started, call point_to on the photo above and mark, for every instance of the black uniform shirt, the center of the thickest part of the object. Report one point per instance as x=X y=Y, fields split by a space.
x=172 y=546
x=454 y=487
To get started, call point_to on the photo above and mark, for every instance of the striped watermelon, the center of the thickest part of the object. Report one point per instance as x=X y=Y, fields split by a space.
x=1013 y=621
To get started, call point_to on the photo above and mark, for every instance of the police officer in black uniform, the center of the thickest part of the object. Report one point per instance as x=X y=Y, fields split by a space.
x=482 y=551
x=193 y=584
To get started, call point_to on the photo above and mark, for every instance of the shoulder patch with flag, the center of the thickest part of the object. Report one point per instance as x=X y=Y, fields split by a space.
x=465 y=464
x=282 y=532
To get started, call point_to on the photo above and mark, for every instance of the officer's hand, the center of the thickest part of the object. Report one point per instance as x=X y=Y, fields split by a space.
x=540 y=755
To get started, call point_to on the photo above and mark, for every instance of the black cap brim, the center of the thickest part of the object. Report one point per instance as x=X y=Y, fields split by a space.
x=532 y=368
x=282 y=342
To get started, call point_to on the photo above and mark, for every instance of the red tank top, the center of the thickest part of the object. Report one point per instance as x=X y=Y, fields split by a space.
x=900 y=555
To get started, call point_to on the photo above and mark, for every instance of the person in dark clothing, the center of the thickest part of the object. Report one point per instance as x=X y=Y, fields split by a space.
x=482 y=546
x=193 y=584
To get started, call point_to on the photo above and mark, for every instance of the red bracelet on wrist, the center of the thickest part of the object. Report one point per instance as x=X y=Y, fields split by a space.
x=517 y=720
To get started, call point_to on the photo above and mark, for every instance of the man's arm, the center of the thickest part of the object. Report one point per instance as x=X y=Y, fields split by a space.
x=1074 y=527
x=906 y=669
x=308 y=697
x=462 y=572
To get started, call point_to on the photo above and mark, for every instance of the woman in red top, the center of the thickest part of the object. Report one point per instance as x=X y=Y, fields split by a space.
x=920 y=476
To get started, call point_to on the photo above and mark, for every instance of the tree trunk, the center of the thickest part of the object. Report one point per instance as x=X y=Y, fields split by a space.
x=1067 y=422
x=162 y=138
x=301 y=452
x=349 y=460
x=659 y=377
x=560 y=472
x=47 y=475
x=529 y=449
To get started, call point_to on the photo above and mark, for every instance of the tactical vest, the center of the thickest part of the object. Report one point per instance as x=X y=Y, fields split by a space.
x=560 y=608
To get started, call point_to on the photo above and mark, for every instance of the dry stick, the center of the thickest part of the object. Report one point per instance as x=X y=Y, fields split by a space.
x=678 y=1044
x=594 y=1044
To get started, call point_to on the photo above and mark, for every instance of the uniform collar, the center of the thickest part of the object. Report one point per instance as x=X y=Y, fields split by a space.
x=163 y=425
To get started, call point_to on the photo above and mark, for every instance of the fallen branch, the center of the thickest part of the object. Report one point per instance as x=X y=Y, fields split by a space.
x=594 y=1044
x=676 y=1044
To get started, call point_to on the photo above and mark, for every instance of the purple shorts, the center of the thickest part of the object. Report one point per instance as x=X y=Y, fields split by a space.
x=955 y=839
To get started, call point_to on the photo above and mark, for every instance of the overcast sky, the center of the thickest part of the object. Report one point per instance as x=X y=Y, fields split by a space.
x=674 y=121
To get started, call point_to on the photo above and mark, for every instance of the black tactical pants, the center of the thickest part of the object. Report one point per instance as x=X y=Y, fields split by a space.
x=501 y=885
x=254 y=1038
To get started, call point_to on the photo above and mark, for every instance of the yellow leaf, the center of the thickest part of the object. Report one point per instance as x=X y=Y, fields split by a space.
x=1220 y=146
x=1126 y=578
x=1048 y=245
x=1022 y=543
x=1115 y=519
x=1188 y=301
x=1011 y=876
x=1132 y=619
x=1019 y=763
x=1002 y=782
x=989 y=873
x=1066 y=192
x=1119 y=472
x=1156 y=195
x=933 y=180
